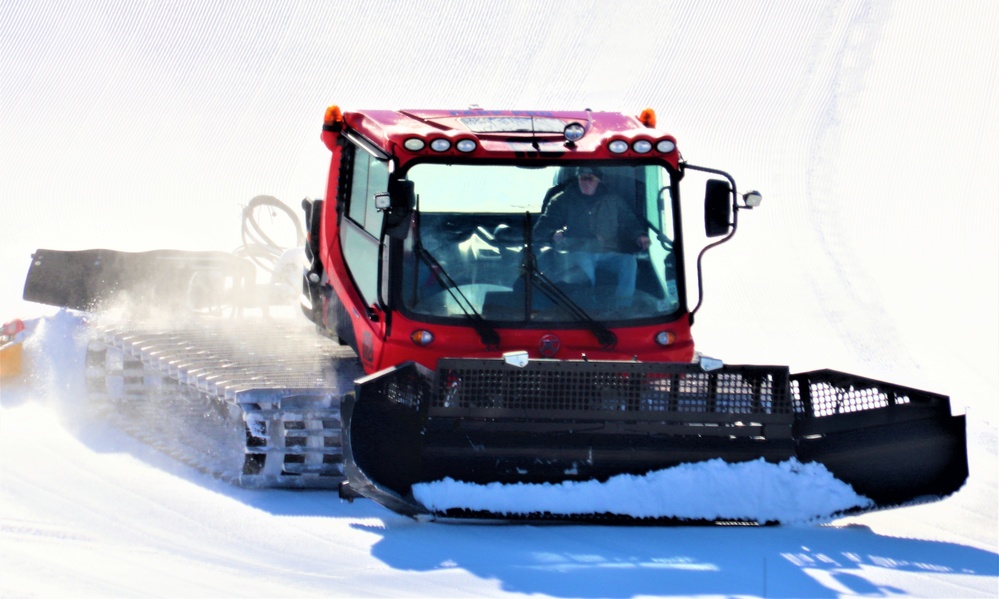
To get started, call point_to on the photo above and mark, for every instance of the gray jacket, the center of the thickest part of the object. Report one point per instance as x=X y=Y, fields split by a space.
x=602 y=222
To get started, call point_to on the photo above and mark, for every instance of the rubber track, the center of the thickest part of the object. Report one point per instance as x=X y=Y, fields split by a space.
x=258 y=406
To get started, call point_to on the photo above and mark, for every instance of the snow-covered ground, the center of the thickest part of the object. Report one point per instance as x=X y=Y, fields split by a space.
x=870 y=127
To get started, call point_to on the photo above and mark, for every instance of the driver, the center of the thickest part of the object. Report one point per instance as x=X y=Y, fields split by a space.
x=596 y=228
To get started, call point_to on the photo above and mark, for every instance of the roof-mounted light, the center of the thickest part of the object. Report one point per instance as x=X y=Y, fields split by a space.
x=642 y=146
x=665 y=146
x=414 y=144
x=333 y=119
x=440 y=145
x=574 y=132
x=333 y=115
x=618 y=146
x=466 y=145
x=648 y=118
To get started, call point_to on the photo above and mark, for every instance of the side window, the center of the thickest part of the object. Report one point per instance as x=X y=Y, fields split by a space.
x=369 y=176
x=377 y=183
x=359 y=186
x=361 y=230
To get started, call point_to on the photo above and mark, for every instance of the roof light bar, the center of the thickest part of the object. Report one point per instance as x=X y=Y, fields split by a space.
x=440 y=145
x=665 y=146
x=618 y=146
x=414 y=144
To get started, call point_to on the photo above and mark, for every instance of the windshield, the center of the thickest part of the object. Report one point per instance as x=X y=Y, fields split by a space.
x=550 y=244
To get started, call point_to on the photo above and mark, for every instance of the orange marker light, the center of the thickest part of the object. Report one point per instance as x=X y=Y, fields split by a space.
x=665 y=338
x=333 y=115
x=648 y=118
x=421 y=337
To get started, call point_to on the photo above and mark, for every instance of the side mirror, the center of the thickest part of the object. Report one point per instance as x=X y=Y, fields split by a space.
x=717 y=208
x=398 y=205
x=403 y=194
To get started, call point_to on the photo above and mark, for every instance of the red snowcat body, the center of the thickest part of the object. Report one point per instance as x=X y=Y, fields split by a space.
x=499 y=345
x=490 y=364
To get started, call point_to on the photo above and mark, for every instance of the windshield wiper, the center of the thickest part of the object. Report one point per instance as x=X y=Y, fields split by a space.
x=665 y=241
x=546 y=286
x=490 y=338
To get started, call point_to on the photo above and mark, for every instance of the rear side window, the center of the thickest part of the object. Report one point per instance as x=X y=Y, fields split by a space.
x=368 y=177
x=362 y=228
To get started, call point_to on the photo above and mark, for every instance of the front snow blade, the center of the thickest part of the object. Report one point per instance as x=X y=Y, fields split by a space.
x=382 y=440
x=891 y=443
x=483 y=421
x=162 y=279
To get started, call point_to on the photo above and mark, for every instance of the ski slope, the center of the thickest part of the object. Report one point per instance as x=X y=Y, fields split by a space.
x=870 y=127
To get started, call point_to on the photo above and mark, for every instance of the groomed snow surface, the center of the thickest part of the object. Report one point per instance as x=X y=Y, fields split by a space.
x=870 y=127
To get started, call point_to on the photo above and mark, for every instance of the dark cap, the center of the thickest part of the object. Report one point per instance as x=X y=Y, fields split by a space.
x=596 y=171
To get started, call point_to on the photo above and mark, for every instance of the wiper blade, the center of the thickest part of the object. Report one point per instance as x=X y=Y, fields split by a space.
x=606 y=337
x=490 y=338
x=661 y=237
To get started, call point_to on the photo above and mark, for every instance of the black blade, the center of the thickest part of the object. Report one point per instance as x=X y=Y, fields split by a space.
x=484 y=421
x=91 y=279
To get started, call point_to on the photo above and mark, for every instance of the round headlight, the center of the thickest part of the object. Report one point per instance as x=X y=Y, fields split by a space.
x=421 y=337
x=440 y=145
x=465 y=145
x=618 y=146
x=665 y=146
x=665 y=337
x=642 y=146
x=414 y=144
x=574 y=132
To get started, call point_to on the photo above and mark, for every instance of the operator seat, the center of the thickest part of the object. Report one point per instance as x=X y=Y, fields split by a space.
x=563 y=177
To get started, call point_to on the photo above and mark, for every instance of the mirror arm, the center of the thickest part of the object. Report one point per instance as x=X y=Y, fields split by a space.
x=731 y=233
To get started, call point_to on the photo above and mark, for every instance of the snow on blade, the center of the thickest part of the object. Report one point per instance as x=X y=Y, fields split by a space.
x=788 y=492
